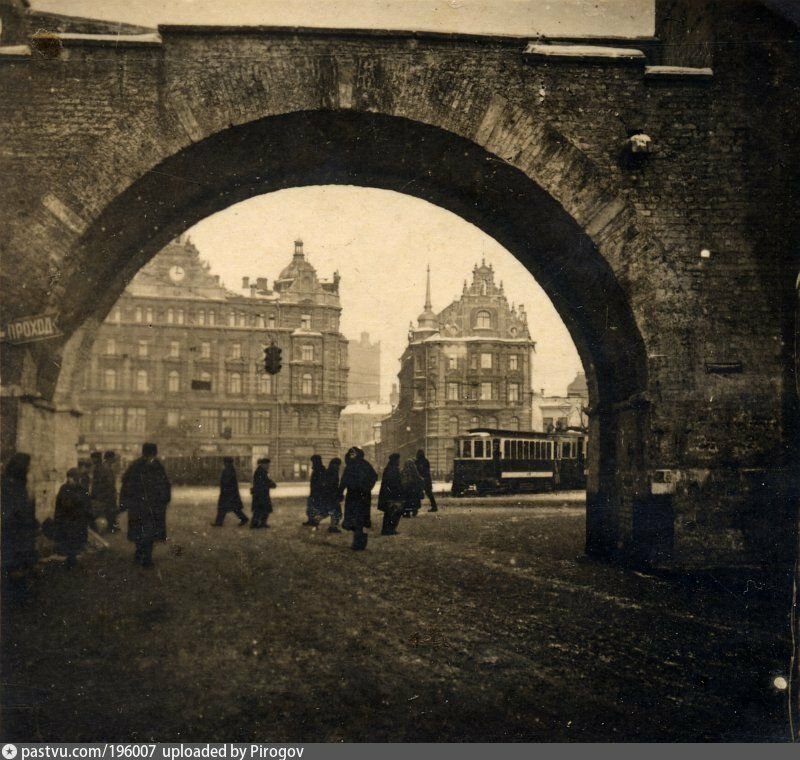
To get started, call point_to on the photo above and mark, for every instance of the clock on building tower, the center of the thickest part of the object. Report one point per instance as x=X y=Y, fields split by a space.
x=176 y=273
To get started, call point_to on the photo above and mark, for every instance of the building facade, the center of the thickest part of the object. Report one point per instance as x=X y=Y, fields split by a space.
x=568 y=412
x=467 y=366
x=364 y=376
x=180 y=361
x=360 y=422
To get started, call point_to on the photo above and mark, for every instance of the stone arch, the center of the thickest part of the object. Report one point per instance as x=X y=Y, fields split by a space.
x=547 y=204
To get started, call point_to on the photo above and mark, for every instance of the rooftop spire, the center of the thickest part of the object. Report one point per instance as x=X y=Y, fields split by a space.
x=428 y=290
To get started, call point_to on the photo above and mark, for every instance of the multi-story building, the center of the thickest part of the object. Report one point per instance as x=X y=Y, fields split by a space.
x=180 y=361
x=364 y=377
x=467 y=366
x=550 y=413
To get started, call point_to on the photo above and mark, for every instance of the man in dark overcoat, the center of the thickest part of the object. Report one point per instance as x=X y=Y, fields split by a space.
x=357 y=481
x=103 y=492
x=424 y=470
x=145 y=494
x=262 y=502
x=229 y=498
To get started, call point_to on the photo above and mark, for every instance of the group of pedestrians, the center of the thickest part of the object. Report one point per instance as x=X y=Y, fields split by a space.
x=400 y=494
x=90 y=493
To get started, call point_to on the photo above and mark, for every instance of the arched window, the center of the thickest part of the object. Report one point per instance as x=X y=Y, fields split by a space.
x=201 y=317
x=265 y=384
x=170 y=316
x=234 y=383
x=205 y=377
x=453 y=425
x=515 y=423
x=110 y=380
x=295 y=420
x=483 y=320
x=212 y=317
x=180 y=316
x=307 y=385
x=173 y=382
x=142 y=383
x=111 y=347
x=231 y=319
x=137 y=314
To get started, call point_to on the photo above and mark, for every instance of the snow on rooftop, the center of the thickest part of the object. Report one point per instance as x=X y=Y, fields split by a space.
x=583 y=51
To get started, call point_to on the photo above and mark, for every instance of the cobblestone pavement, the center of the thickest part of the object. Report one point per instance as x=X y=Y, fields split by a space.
x=480 y=622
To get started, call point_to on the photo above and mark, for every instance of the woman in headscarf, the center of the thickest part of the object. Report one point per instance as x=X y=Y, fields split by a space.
x=391 y=496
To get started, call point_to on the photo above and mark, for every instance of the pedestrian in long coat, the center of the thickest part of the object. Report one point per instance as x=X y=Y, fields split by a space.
x=424 y=470
x=229 y=497
x=262 y=501
x=391 y=497
x=73 y=516
x=145 y=494
x=413 y=488
x=357 y=481
x=18 y=526
x=314 y=511
x=103 y=492
x=330 y=495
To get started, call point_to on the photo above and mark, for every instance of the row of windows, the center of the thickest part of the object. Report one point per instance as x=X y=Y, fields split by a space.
x=483 y=360
x=482 y=449
x=212 y=422
x=307 y=352
x=234 y=382
x=210 y=318
x=478 y=392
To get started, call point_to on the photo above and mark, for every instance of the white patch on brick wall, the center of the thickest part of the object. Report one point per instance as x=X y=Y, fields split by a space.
x=187 y=119
x=493 y=114
x=63 y=213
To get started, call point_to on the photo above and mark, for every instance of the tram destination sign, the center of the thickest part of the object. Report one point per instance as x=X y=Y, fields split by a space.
x=31 y=329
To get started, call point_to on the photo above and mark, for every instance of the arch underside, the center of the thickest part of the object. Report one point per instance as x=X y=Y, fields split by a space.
x=371 y=150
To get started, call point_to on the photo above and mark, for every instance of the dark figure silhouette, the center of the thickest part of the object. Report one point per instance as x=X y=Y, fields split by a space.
x=314 y=511
x=424 y=470
x=262 y=502
x=103 y=492
x=391 y=497
x=330 y=495
x=72 y=517
x=357 y=481
x=413 y=488
x=18 y=529
x=144 y=495
x=229 y=498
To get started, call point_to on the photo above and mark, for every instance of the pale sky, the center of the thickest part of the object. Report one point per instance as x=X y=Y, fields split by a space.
x=381 y=242
x=618 y=18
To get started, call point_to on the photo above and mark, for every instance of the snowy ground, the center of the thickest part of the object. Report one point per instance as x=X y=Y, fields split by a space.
x=480 y=622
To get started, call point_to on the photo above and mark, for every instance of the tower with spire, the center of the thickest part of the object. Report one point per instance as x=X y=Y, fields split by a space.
x=466 y=366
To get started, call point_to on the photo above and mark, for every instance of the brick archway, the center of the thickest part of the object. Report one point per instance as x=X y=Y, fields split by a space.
x=371 y=150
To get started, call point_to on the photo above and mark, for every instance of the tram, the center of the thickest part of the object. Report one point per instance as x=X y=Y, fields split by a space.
x=490 y=461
